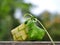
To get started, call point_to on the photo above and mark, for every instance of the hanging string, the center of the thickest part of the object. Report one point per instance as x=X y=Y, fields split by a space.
x=43 y=28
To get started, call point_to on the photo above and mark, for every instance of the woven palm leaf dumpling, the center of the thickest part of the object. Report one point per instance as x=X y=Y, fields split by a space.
x=19 y=33
x=28 y=31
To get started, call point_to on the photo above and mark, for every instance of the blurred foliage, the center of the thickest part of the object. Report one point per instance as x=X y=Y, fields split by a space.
x=52 y=24
x=8 y=22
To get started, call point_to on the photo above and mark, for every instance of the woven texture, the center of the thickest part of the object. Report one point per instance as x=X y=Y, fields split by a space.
x=19 y=33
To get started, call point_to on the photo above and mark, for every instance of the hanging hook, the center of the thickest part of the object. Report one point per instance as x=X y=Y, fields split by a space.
x=28 y=15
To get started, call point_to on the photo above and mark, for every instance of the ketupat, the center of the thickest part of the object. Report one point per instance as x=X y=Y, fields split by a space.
x=28 y=31
x=34 y=32
x=19 y=33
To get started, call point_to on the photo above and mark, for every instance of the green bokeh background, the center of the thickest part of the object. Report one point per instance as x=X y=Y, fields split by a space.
x=8 y=22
